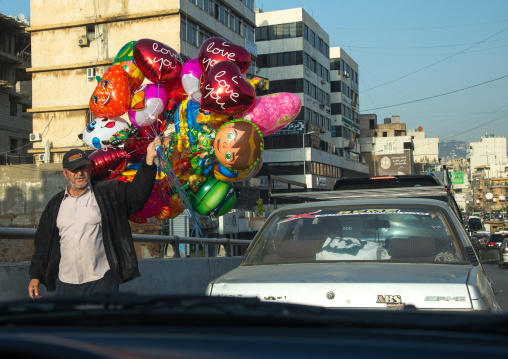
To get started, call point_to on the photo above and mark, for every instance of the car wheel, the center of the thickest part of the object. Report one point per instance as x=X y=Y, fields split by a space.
x=502 y=265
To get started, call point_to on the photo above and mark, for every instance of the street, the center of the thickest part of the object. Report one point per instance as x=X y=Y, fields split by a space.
x=499 y=278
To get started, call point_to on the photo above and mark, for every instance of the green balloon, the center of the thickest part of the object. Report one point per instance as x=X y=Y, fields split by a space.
x=214 y=198
x=125 y=53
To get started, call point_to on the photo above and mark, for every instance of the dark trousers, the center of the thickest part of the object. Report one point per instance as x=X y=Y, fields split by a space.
x=106 y=284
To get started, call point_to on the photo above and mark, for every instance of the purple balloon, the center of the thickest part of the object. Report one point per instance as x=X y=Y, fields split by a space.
x=191 y=67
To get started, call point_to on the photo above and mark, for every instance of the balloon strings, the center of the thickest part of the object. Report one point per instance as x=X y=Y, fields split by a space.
x=174 y=182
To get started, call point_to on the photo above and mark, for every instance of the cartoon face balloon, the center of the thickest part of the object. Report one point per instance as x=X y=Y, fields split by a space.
x=147 y=104
x=238 y=145
x=99 y=132
x=112 y=95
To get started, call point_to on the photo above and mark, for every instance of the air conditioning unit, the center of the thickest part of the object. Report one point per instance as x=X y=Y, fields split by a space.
x=35 y=137
x=42 y=157
x=323 y=81
x=83 y=41
x=346 y=74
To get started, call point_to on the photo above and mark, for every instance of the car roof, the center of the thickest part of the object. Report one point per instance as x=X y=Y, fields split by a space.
x=387 y=182
x=410 y=192
x=366 y=202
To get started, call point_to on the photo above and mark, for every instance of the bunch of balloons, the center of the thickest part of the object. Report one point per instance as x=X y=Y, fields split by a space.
x=205 y=110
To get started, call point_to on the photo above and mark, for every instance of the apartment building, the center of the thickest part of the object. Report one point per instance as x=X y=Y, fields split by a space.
x=75 y=41
x=488 y=154
x=386 y=147
x=294 y=54
x=345 y=103
x=15 y=91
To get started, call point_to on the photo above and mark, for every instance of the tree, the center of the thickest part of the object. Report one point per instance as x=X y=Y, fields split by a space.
x=259 y=208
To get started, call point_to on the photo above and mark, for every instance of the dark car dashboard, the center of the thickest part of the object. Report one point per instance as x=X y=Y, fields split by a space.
x=222 y=327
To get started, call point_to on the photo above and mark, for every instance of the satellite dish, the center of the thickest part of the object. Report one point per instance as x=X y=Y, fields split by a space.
x=21 y=17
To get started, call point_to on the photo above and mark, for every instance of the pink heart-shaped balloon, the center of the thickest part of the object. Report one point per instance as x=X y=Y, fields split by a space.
x=226 y=91
x=157 y=61
x=216 y=49
x=273 y=112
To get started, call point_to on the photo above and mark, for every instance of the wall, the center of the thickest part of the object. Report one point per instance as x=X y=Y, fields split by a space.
x=25 y=190
x=158 y=276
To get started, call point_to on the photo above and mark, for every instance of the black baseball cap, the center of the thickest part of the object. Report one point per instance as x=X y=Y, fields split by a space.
x=75 y=158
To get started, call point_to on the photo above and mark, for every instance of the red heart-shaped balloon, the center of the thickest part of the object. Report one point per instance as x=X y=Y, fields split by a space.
x=108 y=163
x=226 y=91
x=136 y=146
x=157 y=61
x=216 y=49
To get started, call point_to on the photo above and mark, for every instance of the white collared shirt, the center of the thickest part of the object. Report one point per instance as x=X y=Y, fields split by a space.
x=83 y=258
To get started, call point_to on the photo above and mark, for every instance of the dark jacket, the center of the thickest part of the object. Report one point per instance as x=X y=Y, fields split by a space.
x=117 y=201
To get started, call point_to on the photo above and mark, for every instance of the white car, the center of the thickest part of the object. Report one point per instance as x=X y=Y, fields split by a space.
x=369 y=253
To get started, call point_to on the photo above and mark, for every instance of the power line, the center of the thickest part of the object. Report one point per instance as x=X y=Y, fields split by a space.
x=414 y=47
x=474 y=128
x=412 y=28
x=424 y=55
x=437 y=62
x=443 y=94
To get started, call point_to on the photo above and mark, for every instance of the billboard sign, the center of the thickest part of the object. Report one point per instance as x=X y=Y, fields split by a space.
x=457 y=177
x=393 y=164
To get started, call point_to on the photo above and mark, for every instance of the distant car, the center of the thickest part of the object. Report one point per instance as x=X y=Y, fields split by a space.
x=503 y=249
x=480 y=239
x=363 y=251
x=474 y=224
x=496 y=239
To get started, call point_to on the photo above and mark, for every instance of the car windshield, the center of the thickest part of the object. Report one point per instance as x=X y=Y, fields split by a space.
x=475 y=224
x=394 y=234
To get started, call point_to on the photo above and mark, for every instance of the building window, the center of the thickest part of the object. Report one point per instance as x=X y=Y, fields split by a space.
x=335 y=86
x=222 y=13
x=13 y=107
x=248 y=32
x=90 y=74
x=14 y=145
x=90 y=32
x=262 y=33
x=205 y=5
x=249 y=4
x=385 y=134
x=372 y=124
x=335 y=109
x=234 y=22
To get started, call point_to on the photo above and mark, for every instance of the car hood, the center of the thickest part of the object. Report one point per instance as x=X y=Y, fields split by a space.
x=358 y=285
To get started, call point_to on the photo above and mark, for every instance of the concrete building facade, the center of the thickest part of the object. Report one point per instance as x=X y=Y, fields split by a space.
x=294 y=54
x=426 y=149
x=75 y=41
x=345 y=106
x=489 y=152
x=15 y=92
x=387 y=148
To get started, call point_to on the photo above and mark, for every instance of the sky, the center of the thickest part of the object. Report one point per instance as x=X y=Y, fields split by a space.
x=439 y=64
